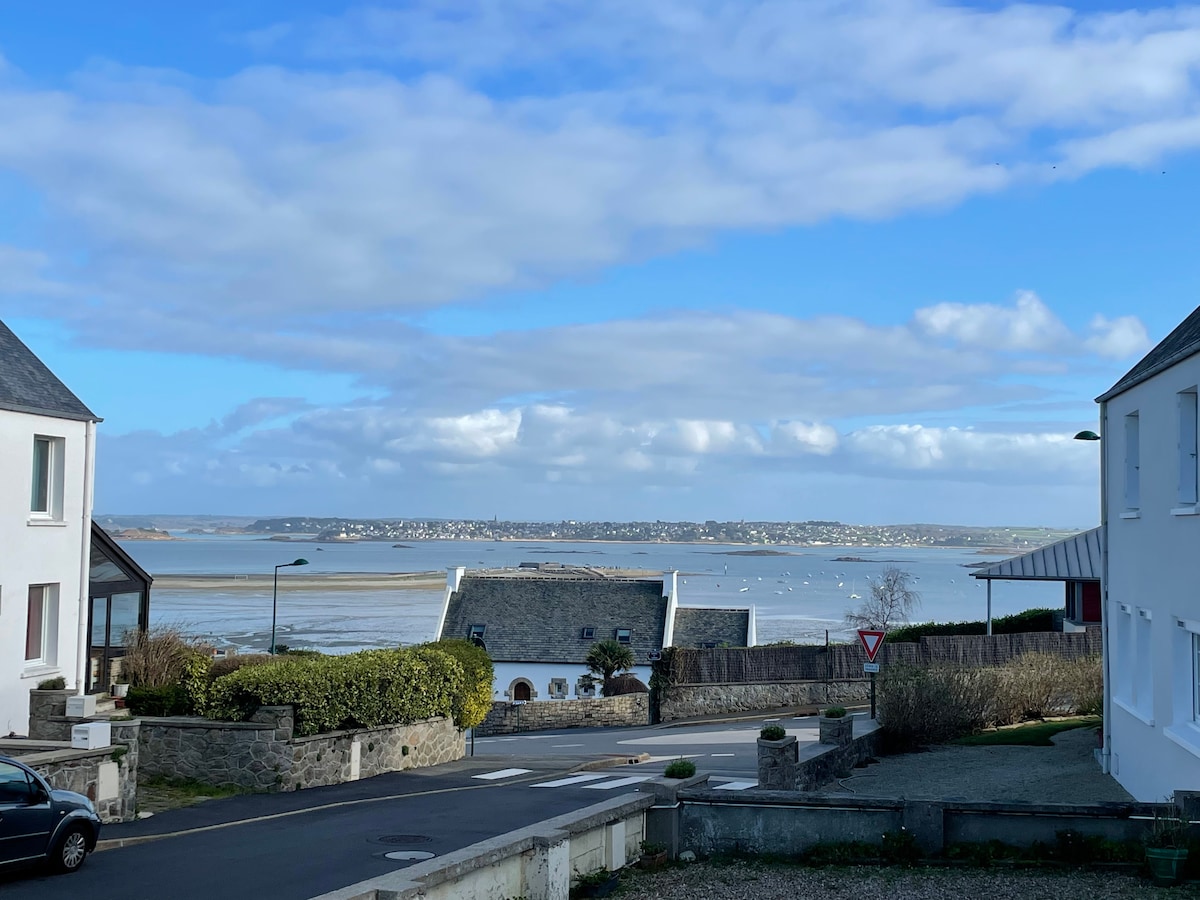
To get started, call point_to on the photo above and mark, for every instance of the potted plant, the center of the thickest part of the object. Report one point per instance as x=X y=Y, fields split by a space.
x=772 y=731
x=835 y=726
x=653 y=855
x=599 y=883
x=1167 y=846
x=680 y=768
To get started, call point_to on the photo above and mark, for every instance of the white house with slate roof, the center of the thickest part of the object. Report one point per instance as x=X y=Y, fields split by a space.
x=1151 y=517
x=539 y=624
x=47 y=457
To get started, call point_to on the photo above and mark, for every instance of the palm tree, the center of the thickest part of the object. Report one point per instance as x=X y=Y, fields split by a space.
x=607 y=658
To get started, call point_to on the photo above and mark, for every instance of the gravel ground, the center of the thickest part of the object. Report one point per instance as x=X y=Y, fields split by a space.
x=1064 y=773
x=755 y=881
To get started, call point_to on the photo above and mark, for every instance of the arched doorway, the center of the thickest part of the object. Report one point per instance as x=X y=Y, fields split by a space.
x=521 y=691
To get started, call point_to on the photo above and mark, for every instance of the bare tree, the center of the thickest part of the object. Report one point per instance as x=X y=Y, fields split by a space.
x=891 y=601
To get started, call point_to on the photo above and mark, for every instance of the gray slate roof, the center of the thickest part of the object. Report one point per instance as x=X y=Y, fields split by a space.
x=696 y=627
x=540 y=619
x=1177 y=346
x=27 y=386
x=1072 y=559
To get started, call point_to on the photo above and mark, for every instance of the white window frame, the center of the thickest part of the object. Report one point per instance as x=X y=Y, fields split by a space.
x=1123 y=657
x=1133 y=491
x=1184 y=728
x=54 y=474
x=559 y=688
x=48 y=640
x=1189 y=470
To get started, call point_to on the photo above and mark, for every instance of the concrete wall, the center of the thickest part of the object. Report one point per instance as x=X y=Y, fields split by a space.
x=539 y=862
x=1152 y=609
x=625 y=710
x=263 y=754
x=107 y=776
x=686 y=701
x=38 y=550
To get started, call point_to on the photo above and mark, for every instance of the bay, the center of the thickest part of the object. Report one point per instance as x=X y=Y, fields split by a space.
x=798 y=596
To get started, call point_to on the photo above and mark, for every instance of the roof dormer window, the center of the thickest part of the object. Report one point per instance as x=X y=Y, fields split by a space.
x=477 y=632
x=587 y=633
x=624 y=635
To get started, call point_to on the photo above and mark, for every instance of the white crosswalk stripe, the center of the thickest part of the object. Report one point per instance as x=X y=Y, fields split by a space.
x=563 y=782
x=502 y=773
x=619 y=783
x=735 y=786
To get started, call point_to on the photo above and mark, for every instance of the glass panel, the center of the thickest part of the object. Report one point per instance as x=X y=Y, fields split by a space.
x=99 y=621
x=124 y=616
x=14 y=784
x=1196 y=676
x=104 y=569
x=40 y=499
x=34 y=623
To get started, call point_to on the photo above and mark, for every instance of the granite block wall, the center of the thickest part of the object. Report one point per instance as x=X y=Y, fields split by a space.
x=545 y=715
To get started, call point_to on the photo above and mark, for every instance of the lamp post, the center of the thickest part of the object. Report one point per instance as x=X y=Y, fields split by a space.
x=1105 y=640
x=275 y=596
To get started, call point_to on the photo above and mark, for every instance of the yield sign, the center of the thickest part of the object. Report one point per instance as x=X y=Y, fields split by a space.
x=871 y=641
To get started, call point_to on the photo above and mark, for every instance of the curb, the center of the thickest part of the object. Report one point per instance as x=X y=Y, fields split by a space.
x=611 y=761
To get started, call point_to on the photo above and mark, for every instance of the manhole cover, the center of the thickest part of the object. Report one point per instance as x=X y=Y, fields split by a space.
x=410 y=855
x=404 y=839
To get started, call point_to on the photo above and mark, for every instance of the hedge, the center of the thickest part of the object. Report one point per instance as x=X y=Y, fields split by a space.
x=1018 y=623
x=473 y=702
x=361 y=690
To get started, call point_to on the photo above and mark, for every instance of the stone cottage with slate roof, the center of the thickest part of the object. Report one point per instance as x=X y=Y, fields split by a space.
x=538 y=624
x=1150 y=518
x=47 y=457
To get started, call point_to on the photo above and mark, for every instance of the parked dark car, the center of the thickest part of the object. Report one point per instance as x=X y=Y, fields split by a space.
x=38 y=822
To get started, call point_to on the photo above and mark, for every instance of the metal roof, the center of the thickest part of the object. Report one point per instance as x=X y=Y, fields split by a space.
x=1072 y=559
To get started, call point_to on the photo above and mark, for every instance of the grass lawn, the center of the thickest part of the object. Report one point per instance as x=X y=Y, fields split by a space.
x=158 y=794
x=1029 y=734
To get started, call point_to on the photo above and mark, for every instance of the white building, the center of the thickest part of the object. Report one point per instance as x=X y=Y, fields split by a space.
x=47 y=441
x=538 y=625
x=1149 y=505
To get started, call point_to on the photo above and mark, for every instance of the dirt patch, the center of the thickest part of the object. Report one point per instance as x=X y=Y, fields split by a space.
x=1067 y=772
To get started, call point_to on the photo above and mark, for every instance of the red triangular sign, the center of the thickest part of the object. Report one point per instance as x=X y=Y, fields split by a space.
x=871 y=641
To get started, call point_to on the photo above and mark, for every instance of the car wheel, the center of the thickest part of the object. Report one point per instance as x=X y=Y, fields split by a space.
x=71 y=850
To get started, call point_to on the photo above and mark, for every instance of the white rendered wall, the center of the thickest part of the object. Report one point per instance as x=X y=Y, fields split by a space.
x=37 y=554
x=541 y=673
x=1154 y=572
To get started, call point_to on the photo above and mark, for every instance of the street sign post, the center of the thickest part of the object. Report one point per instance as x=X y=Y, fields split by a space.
x=872 y=640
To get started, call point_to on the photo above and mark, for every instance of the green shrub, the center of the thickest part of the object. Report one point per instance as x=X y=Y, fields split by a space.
x=169 y=700
x=474 y=701
x=53 y=684
x=223 y=667
x=1018 y=623
x=834 y=712
x=773 y=733
x=680 y=768
x=360 y=690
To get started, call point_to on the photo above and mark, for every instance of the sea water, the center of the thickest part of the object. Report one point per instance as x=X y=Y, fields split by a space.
x=799 y=596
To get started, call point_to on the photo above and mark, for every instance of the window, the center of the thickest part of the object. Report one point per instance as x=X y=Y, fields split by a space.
x=1133 y=493
x=1123 y=655
x=586 y=686
x=1195 y=677
x=558 y=688
x=41 y=625
x=624 y=635
x=1187 y=448
x=1143 y=664
x=15 y=787
x=477 y=632
x=45 y=496
x=587 y=633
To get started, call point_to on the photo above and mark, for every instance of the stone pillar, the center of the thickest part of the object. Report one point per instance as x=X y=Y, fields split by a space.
x=127 y=734
x=777 y=764
x=548 y=875
x=44 y=706
x=281 y=718
x=838 y=731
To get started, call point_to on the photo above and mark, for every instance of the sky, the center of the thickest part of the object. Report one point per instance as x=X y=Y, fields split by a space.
x=690 y=259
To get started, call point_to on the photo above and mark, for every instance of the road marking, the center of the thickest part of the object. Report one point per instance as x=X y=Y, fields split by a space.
x=620 y=782
x=574 y=779
x=560 y=746
x=722 y=754
x=736 y=786
x=502 y=773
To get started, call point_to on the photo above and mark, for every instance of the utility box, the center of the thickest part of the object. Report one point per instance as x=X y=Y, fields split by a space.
x=81 y=706
x=91 y=735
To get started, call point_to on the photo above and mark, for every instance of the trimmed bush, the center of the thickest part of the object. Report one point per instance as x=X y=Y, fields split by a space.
x=680 y=768
x=169 y=700
x=773 y=733
x=229 y=664
x=1018 y=623
x=360 y=690
x=474 y=701
x=625 y=684
x=53 y=684
x=834 y=712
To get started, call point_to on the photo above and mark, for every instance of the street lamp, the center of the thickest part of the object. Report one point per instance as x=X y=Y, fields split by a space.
x=275 y=596
x=1087 y=436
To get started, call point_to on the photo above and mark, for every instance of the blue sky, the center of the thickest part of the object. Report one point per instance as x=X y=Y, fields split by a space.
x=782 y=260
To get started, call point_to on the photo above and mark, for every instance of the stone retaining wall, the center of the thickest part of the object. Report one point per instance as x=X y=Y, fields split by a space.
x=547 y=715
x=47 y=716
x=264 y=755
x=784 y=766
x=687 y=701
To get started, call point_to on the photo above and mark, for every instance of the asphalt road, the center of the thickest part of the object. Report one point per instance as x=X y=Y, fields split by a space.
x=299 y=854
x=721 y=749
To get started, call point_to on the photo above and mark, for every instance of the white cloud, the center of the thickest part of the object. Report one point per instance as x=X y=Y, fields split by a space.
x=1117 y=338
x=1028 y=325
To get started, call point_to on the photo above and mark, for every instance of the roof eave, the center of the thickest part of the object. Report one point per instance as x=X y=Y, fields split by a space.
x=1122 y=386
x=51 y=413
